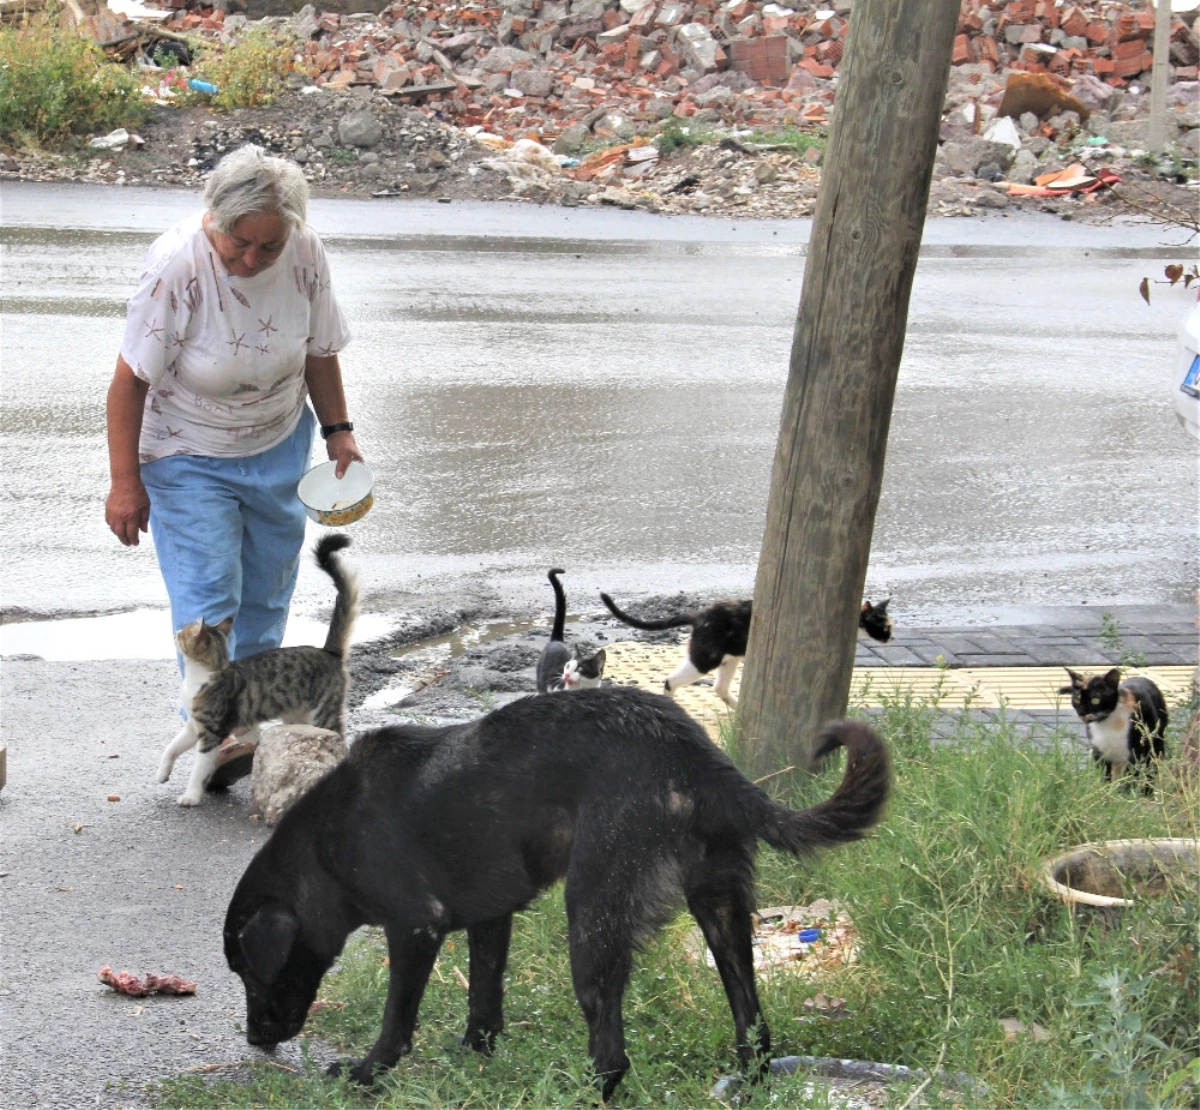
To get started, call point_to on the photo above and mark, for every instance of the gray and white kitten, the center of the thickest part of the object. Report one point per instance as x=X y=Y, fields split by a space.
x=297 y=685
x=558 y=667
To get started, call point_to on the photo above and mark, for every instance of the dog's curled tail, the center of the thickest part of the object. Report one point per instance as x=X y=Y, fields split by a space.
x=649 y=626
x=345 y=608
x=850 y=811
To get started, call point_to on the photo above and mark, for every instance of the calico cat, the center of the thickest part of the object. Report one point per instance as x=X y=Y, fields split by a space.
x=719 y=636
x=298 y=685
x=558 y=667
x=1126 y=721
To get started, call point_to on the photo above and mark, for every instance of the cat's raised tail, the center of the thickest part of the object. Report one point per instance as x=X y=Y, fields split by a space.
x=679 y=621
x=560 y=604
x=345 y=608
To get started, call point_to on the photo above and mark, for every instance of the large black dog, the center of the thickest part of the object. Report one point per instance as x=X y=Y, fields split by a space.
x=427 y=830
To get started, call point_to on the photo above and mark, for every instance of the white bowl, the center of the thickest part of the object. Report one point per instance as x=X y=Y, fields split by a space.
x=332 y=501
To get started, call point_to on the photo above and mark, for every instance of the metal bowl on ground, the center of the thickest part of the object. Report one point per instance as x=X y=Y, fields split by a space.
x=334 y=501
x=1112 y=873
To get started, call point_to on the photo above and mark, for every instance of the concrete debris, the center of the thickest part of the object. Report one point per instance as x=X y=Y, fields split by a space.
x=717 y=106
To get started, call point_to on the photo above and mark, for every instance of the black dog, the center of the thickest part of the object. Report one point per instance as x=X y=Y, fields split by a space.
x=427 y=830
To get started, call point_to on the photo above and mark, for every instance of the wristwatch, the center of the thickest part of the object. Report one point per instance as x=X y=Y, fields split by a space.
x=330 y=429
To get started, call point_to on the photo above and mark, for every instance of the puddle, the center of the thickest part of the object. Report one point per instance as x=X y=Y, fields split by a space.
x=144 y=634
x=428 y=657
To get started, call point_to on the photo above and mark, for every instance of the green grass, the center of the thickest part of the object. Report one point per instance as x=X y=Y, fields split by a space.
x=674 y=135
x=799 y=142
x=955 y=934
x=54 y=84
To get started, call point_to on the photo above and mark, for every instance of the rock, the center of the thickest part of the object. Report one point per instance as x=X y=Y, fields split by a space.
x=360 y=129
x=964 y=158
x=1187 y=116
x=988 y=197
x=582 y=10
x=1094 y=94
x=765 y=173
x=533 y=82
x=289 y=760
x=1024 y=168
x=571 y=140
x=1189 y=144
x=699 y=47
x=501 y=58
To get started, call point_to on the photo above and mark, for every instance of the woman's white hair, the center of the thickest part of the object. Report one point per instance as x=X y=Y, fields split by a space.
x=248 y=181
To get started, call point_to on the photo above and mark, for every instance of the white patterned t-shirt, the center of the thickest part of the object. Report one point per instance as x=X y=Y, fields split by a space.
x=224 y=355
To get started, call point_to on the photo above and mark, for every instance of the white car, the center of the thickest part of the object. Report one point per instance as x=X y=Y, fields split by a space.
x=1185 y=374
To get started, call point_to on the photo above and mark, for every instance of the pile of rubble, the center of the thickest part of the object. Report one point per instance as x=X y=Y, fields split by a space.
x=690 y=105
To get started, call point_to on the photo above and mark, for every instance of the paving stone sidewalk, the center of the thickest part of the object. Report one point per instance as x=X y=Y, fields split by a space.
x=1156 y=635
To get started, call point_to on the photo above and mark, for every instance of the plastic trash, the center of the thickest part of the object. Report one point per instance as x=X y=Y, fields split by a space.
x=114 y=140
x=807 y=936
x=196 y=85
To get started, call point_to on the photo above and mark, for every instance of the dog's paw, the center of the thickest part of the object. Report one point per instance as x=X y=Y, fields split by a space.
x=188 y=798
x=482 y=1041
x=358 y=1071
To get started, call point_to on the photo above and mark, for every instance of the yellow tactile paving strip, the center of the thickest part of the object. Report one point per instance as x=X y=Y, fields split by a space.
x=646 y=665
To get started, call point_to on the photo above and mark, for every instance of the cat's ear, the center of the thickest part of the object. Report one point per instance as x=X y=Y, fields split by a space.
x=600 y=657
x=224 y=627
x=1076 y=680
x=882 y=606
x=1113 y=678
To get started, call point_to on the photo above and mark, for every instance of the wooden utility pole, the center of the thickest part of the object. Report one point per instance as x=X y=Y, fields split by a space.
x=1156 y=133
x=846 y=352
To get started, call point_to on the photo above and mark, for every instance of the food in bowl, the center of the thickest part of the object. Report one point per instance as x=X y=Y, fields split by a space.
x=334 y=501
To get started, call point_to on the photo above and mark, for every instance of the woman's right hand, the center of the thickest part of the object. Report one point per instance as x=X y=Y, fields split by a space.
x=127 y=510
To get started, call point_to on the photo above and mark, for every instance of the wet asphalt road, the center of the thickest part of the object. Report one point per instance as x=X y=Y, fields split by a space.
x=600 y=390
x=534 y=386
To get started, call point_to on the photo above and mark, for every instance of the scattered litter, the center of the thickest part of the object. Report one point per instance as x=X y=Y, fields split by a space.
x=1061 y=183
x=125 y=982
x=114 y=140
x=196 y=85
x=803 y=940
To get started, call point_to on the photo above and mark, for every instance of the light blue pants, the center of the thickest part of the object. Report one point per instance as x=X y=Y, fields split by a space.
x=228 y=534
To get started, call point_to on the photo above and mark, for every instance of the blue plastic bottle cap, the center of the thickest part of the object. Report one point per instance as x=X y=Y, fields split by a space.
x=807 y=936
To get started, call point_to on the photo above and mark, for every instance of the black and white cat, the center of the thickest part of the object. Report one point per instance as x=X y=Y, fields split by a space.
x=558 y=667
x=719 y=636
x=297 y=685
x=1126 y=721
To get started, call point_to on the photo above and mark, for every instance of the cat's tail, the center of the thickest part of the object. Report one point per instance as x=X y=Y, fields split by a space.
x=848 y=813
x=345 y=608
x=649 y=626
x=560 y=604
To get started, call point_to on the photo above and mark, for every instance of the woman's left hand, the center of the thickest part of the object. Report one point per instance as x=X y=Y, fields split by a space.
x=342 y=450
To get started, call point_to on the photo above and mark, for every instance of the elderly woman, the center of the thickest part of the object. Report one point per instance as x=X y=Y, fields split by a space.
x=233 y=326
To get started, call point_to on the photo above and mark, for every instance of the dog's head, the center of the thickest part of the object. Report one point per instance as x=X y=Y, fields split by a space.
x=265 y=945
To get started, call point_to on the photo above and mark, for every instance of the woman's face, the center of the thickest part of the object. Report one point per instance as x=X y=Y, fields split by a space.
x=254 y=244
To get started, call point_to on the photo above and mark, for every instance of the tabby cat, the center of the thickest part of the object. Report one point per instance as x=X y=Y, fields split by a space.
x=1126 y=721
x=298 y=685
x=558 y=667
x=719 y=636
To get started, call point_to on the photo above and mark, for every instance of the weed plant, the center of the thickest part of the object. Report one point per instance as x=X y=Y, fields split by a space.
x=789 y=138
x=955 y=934
x=248 y=74
x=55 y=84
